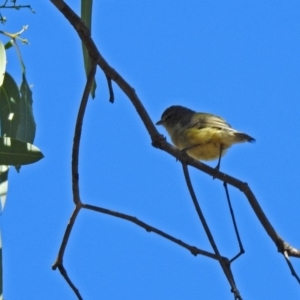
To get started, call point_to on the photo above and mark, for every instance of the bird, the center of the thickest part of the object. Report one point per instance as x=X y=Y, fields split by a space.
x=202 y=136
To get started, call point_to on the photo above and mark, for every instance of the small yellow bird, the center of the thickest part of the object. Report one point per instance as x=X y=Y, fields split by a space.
x=203 y=136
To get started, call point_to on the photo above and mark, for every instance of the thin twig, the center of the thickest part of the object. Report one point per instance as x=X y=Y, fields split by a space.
x=85 y=37
x=282 y=246
x=17 y=7
x=225 y=264
x=75 y=179
x=110 y=89
x=291 y=266
x=77 y=134
x=237 y=234
x=4 y=4
x=194 y=250
x=16 y=36
x=61 y=252
x=65 y=275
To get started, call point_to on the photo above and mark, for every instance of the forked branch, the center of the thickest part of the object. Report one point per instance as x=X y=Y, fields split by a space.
x=158 y=141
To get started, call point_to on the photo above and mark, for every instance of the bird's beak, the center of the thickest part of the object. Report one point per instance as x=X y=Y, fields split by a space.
x=160 y=122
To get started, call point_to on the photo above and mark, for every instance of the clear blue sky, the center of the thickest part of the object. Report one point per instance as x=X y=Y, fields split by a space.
x=239 y=60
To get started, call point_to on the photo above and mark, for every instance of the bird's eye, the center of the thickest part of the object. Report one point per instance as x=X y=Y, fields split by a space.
x=168 y=117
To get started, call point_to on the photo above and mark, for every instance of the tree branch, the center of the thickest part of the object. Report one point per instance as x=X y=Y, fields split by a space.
x=77 y=134
x=194 y=250
x=159 y=141
x=225 y=264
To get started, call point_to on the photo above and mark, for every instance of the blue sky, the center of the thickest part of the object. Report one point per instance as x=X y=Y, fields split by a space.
x=238 y=60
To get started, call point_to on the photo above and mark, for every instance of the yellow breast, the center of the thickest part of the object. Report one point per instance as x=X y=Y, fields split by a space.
x=204 y=143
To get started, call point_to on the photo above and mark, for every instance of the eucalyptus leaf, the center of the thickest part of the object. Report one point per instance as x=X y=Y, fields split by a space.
x=27 y=126
x=2 y=62
x=15 y=152
x=86 y=16
x=9 y=107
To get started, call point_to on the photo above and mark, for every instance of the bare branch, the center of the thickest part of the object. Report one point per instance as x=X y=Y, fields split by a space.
x=242 y=186
x=194 y=250
x=285 y=254
x=61 y=252
x=77 y=134
x=111 y=91
x=14 y=6
x=65 y=275
x=225 y=264
x=242 y=251
x=85 y=37
x=75 y=179
x=17 y=7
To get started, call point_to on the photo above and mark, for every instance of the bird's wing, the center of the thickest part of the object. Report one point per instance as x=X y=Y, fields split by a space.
x=202 y=120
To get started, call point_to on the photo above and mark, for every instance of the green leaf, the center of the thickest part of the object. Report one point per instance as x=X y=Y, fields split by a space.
x=27 y=127
x=15 y=152
x=2 y=62
x=86 y=16
x=9 y=44
x=9 y=107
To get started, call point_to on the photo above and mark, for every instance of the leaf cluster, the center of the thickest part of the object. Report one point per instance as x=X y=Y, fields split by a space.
x=17 y=124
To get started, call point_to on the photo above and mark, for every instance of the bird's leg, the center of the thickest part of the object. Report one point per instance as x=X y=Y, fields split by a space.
x=220 y=155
